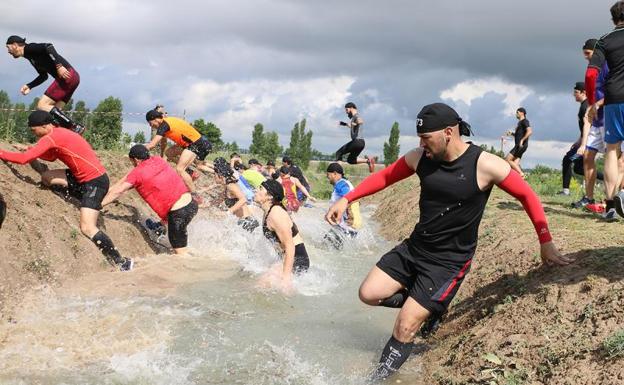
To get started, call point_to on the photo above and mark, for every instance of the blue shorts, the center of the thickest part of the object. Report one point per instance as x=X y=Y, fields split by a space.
x=614 y=123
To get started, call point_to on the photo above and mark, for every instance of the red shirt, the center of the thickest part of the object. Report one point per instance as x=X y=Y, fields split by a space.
x=158 y=183
x=66 y=146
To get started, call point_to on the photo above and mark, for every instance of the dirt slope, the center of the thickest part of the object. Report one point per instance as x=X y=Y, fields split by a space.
x=40 y=241
x=515 y=321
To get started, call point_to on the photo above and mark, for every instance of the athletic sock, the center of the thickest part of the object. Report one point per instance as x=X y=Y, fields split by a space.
x=609 y=204
x=65 y=121
x=106 y=246
x=396 y=300
x=392 y=358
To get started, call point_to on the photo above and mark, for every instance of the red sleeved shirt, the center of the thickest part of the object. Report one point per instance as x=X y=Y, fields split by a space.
x=158 y=184
x=66 y=146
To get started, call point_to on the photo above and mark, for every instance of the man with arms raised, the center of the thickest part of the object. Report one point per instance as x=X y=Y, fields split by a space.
x=422 y=274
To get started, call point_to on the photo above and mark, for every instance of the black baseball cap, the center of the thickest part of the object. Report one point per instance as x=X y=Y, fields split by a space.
x=590 y=44
x=274 y=188
x=335 y=167
x=350 y=105
x=39 y=118
x=579 y=86
x=16 y=39
x=153 y=114
x=521 y=109
x=139 y=151
x=435 y=117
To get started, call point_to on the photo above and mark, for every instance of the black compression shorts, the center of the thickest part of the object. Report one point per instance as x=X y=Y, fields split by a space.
x=302 y=261
x=178 y=220
x=518 y=151
x=201 y=147
x=90 y=193
x=430 y=284
x=353 y=148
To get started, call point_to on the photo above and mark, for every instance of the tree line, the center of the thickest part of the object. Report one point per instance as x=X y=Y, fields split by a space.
x=105 y=131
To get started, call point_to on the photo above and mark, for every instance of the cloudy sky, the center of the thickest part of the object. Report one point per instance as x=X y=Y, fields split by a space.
x=239 y=62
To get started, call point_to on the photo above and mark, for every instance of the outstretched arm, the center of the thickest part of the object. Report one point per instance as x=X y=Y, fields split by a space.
x=493 y=170
x=117 y=190
x=34 y=152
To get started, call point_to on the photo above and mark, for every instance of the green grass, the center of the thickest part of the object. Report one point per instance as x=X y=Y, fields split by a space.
x=614 y=345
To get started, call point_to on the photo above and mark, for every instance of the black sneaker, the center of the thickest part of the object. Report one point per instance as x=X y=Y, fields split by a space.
x=156 y=227
x=582 y=203
x=127 y=265
x=618 y=201
x=78 y=129
x=431 y=325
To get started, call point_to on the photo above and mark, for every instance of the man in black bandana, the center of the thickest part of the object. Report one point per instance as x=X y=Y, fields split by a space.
x=47 y=61
x=423 y=273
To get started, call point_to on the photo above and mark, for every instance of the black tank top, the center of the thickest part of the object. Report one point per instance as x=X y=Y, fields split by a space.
x=272 y=235
x=451 y=206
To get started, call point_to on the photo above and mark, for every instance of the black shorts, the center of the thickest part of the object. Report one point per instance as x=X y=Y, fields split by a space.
x=201 y=147
x=517 y=151
x=430 y=284
x=302 y=261
x=353 y=148
x=90 y=193
x=178 y=220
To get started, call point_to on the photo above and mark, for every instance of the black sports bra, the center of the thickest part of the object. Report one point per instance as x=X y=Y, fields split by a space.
x=272 y=235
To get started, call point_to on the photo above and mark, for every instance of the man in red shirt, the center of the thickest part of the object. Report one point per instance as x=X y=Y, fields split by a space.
x=85 y=178
x=163 y=190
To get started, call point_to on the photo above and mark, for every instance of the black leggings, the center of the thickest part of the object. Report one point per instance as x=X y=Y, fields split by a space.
x=178 y=221
x=353 y=148
x=573 y=161
x=302 y=261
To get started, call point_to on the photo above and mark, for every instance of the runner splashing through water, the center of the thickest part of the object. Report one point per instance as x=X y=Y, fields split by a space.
x=422 y=274
x=279 y=228
x=291 y=184
x=235 y=198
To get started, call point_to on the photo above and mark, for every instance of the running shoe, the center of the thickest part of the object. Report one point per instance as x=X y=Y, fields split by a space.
x=582 y=203
x=431 y=325
x=156 y=227
x=563 y=192
x=597 y=208
x=127 y=265
x=610 y=216
x=618 y=201
x=78 y=128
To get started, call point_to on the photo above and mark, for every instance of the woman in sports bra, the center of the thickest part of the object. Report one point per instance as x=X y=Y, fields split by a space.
x=278 y=227
x=235 y=199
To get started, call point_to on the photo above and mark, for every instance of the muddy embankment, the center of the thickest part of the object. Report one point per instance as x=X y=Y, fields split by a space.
x=515 y=321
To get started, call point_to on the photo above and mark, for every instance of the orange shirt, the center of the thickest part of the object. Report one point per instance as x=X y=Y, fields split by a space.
x=178 y=131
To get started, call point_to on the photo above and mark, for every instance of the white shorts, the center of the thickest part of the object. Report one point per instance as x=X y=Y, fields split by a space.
x=595 y=139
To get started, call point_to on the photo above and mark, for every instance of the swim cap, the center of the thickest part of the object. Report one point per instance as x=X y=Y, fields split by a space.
x=153 y=114
x=274 y=188
x=438 y=116
x=590 y=44
x=16 y=39
x=39 y=118
x=139 y=151
x=335 y=167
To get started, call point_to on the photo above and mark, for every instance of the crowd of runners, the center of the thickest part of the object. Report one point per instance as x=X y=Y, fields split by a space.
x=422 y=274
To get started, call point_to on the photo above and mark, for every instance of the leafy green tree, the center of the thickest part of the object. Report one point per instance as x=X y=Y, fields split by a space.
x=106 y=124
x=234 y=147
x=69 y=106
x=6 y=124
x=300 y=149
x=210 y=131
x=139 y=137
x=392 y=146
x=22 y=131
x=271 y=148
x=257 y=140
x=126 y=139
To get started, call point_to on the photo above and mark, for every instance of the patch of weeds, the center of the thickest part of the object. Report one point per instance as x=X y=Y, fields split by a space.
x=550 y=359
x=40 y=267
x=516 y=377
x=614 y=346
x=73 y=234
x=508 y=300
x=587 y=313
